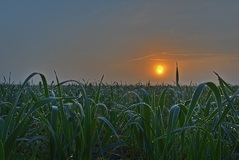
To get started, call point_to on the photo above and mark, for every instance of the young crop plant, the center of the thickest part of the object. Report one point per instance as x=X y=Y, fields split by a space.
x=74 y=120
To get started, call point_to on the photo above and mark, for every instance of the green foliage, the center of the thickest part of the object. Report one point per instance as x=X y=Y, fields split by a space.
x=71 y=120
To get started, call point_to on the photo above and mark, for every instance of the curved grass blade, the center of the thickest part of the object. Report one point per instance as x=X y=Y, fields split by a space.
x=114 y=145
x=9 y=120
x=229 y=134
x=59 y=149
x=173 y=118
x=217 y=94
x=62 y=116
x=194 y=100
x=14 y=134
x=109 y=125
x=43 y=78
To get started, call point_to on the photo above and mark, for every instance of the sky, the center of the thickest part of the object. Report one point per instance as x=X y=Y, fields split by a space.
x=123 y=40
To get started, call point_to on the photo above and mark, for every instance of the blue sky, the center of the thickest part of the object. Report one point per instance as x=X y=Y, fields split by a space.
x=122 y=40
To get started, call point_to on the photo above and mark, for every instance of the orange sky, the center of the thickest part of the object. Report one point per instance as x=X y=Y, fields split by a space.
x=123 y=40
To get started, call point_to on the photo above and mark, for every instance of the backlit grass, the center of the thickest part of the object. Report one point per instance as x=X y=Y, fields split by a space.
x=71 y=120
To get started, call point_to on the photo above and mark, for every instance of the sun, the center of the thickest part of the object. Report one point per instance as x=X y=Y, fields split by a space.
x=159 y=69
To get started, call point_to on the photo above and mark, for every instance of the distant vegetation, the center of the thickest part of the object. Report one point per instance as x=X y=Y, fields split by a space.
x=70 y=120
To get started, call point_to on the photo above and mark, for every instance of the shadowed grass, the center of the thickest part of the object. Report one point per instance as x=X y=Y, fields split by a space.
x=71 y=120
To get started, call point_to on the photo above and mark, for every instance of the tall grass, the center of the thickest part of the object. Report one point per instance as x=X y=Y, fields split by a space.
x=71 y=120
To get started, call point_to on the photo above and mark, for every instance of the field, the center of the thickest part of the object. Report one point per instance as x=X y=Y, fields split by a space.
x=71 y=120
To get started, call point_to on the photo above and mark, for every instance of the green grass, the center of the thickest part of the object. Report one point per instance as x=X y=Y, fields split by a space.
x=71 y=120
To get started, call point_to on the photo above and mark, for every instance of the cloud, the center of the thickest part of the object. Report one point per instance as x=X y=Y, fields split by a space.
x=189 y=54
x=141 y=58
x=161 y=60
x=173 y=57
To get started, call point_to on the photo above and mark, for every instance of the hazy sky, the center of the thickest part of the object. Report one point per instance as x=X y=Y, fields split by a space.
x=123 y=40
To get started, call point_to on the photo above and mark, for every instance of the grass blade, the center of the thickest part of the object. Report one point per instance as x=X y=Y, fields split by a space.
x=109 y=125
x=193 y=102
x=2 y=153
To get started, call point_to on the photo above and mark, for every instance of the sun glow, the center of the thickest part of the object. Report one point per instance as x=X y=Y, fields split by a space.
x=159 y=69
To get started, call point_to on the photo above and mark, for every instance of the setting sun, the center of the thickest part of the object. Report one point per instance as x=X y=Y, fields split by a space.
x=159 y=69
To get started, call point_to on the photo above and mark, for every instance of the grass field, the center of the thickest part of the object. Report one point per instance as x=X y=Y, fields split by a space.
x=71 y=120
